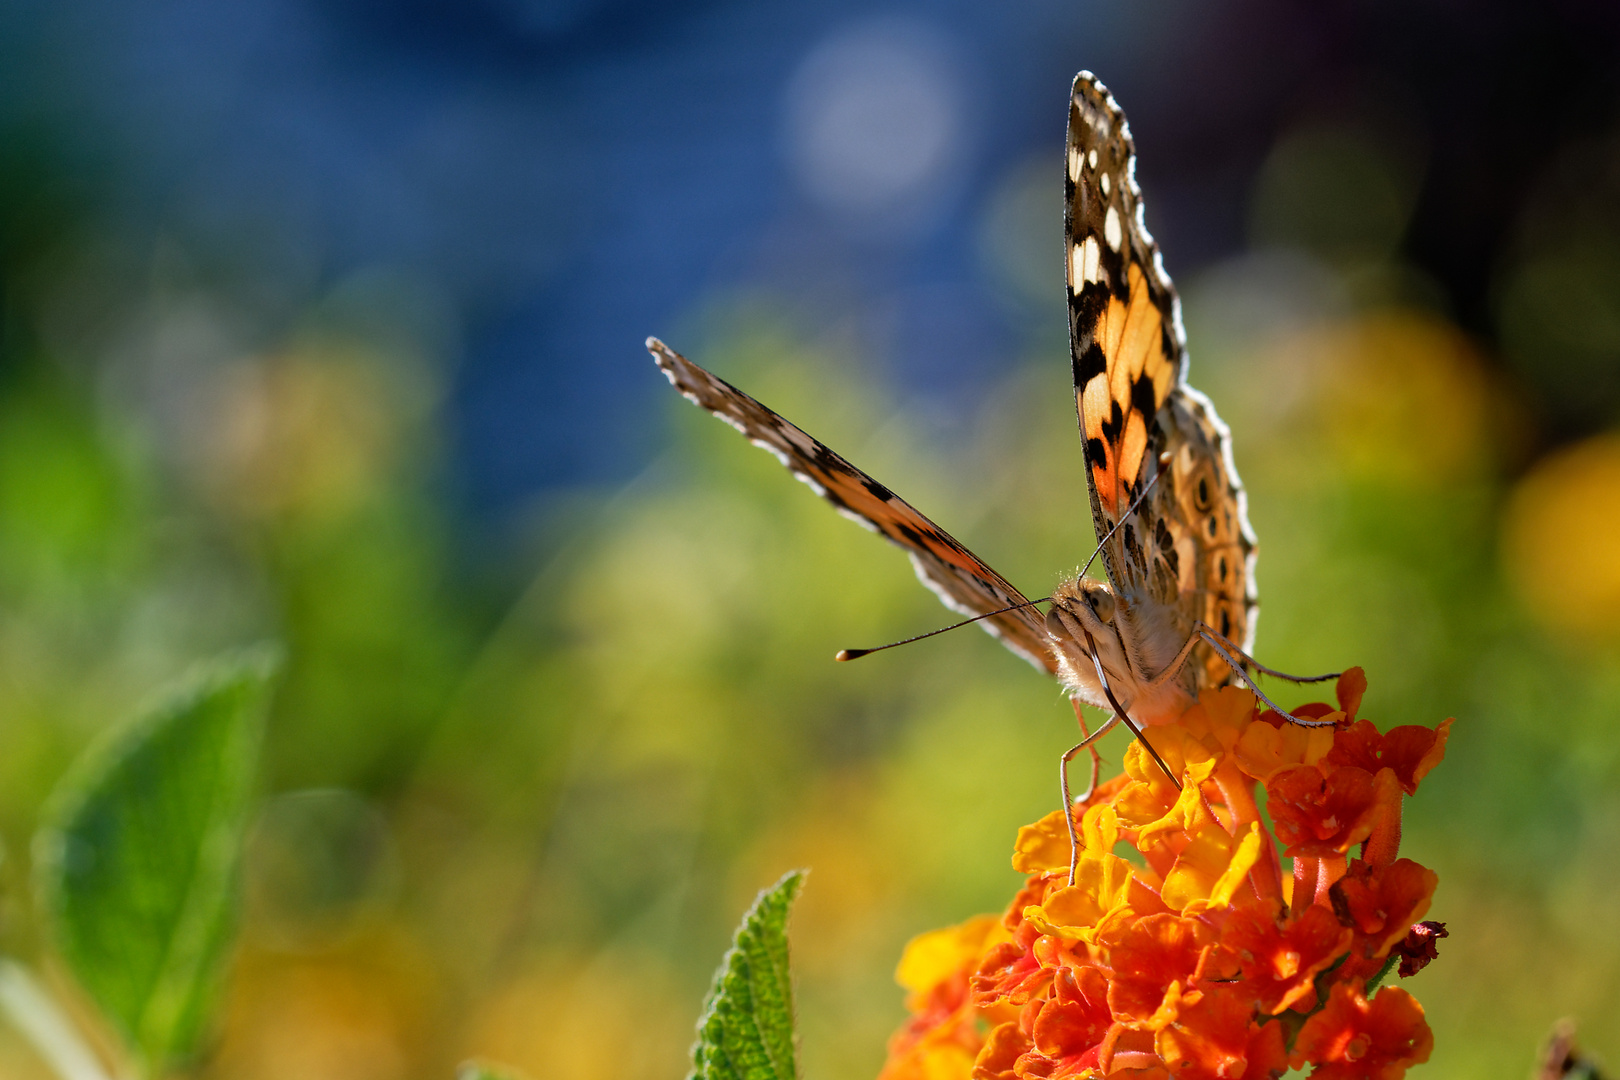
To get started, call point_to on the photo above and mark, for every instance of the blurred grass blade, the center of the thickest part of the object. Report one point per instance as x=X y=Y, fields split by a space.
x=136 y=866
x=33 y=1013
x=746 y=1031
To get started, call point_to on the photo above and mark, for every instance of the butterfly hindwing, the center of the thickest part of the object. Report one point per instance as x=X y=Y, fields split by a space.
x=961 y=579
x=1187 y=544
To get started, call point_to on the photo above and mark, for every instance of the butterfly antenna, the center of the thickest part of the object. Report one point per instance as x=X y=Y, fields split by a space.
x=856 y=654
x=1164 y=459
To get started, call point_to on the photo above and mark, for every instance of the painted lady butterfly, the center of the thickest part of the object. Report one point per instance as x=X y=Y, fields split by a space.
x=1177 y=613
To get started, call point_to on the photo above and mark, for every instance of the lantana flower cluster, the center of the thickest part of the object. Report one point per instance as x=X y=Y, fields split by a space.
x=1205 y=953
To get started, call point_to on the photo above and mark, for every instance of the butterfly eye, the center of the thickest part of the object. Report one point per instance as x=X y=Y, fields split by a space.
x=1054 y=624
x=1103 y=604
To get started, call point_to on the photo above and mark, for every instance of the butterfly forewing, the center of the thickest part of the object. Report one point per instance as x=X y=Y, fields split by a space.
x=1163 y=488
x=961 y=579
x=1187 y=544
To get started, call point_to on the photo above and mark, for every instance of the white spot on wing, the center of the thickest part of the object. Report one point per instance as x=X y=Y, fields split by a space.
x=1093 y=158
x=1083 y=261
x=1111 y=229
x=1103 y=180
x=1074 y=163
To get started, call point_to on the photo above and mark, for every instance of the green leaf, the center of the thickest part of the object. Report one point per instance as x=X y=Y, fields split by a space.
x=136 y=865
x=746 y=1030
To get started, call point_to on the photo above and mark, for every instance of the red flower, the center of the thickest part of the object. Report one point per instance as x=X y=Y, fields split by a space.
x=1356 y=1039
x=1411 y=751
x=1325 y=809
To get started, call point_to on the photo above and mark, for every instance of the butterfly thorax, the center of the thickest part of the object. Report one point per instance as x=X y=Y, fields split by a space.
x=1136 y=640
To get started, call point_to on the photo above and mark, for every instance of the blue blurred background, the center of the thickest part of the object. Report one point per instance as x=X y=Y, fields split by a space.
x=322 y=321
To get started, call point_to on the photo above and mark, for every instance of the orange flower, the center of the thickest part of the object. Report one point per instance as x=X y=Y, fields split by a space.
x=1281 y=956
x=1197 y=961
x=1070 y=1027
x=1212 y=1039
x=1380 y=905
x=1002 y=1049
x=1152 y=959
x=1325 y=809
x=1357 y=1039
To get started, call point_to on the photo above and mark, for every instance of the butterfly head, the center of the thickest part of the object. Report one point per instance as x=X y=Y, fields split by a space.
x=1082 y=631
x=1084 y=604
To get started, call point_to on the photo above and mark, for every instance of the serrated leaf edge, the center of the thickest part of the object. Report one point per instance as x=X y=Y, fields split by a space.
x=755 y=967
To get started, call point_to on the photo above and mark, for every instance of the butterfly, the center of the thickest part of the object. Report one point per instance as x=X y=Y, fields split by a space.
x=1177 y=612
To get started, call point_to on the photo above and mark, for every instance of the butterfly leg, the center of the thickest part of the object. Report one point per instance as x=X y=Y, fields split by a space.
x=1220 y=644
x=1262 y=669
x=1087 y=743
x=1087 y=739
x=1202 y=631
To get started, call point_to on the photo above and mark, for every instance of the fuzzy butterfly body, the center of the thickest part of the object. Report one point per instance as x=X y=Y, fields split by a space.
x=1166 y=502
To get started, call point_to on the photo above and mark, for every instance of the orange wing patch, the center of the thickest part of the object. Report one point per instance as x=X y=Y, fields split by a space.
x=1117 y=403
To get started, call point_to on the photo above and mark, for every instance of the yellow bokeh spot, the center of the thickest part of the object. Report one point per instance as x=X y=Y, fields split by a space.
x=1561 y=538
x=1401 y=397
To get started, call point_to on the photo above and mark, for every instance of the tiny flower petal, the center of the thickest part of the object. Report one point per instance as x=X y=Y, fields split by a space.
x=1179 y=749
x=1208 y=1039
x=1042 y=846
x=1129 y=1054
x=1002 y=1048
x=1221 y=715
x=1077 y=1017
x=1351 y=685
x=1264 y=749
x=1009 y=973
x=1213 y=867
